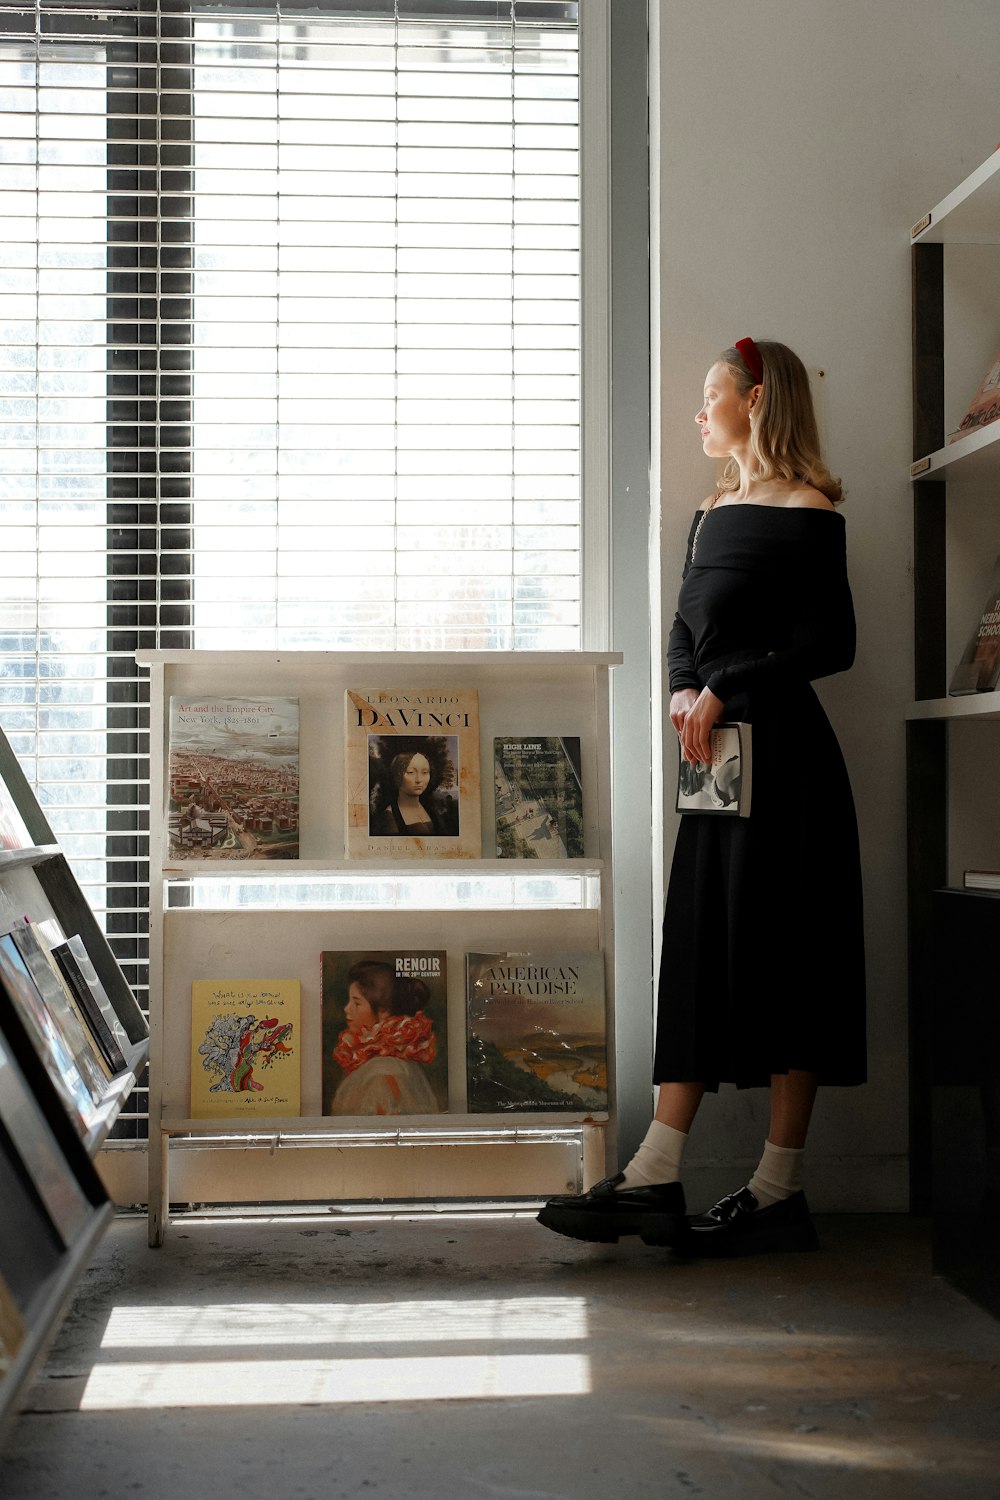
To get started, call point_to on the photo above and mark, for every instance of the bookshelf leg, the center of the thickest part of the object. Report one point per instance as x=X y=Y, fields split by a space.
x=159 y=1188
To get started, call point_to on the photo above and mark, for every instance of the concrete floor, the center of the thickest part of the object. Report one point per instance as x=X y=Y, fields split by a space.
x=478 y=1357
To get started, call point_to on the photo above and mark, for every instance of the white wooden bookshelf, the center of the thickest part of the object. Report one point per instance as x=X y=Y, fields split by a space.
x=212 y=918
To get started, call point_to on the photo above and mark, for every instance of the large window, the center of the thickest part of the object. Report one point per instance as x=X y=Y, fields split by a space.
x=290 y=356
x=386 y=328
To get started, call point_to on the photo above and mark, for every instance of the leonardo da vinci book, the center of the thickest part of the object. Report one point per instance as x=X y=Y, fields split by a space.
x=411 y=758
x=536 y=1032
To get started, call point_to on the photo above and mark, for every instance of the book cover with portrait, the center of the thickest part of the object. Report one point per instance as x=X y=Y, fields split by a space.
x=537 y=1032
x=385 y=1032
x=245 y=1048
x=411 y=760
x=233 y=778
x=538 y=792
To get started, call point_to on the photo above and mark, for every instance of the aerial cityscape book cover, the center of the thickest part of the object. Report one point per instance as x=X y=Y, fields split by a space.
x=233 y=772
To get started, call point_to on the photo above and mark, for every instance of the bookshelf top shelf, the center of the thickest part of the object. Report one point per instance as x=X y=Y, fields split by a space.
x=975 y=456
x=292 y=869
x=397 y=664
x=14 y=859
x=969 y=215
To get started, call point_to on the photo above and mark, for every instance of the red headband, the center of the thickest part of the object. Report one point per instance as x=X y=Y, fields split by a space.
x=751 y=358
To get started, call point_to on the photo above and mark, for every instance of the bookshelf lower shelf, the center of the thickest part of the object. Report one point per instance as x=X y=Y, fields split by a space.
x=436 y=1158
x=324 y=1130
x=968 y=706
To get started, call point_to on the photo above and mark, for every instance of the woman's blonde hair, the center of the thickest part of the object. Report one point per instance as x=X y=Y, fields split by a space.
x=783 y=433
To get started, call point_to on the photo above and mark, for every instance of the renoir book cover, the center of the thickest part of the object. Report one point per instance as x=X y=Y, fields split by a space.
x=979 y=669
x=536 y=1032
x=244 y=1048
x=411 y=760
x=725 y=784
x=539 y=797
x=233 y=772
x=385 y=1032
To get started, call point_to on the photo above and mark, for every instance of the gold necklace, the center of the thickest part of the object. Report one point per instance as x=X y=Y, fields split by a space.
x=697 y=529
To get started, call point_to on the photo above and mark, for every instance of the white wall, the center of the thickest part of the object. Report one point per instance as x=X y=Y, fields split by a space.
x=799 y=140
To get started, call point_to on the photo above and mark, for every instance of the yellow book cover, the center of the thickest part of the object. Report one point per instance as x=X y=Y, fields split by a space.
x=411 y=760
x=244 y=1048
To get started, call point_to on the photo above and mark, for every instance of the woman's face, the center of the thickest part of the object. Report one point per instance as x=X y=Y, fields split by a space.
x=417 y=775
x=723 y=418
x=358 y=1010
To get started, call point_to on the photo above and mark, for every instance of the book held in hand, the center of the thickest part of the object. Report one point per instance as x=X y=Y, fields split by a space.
x=724 y=785
x=979 y=669
x=233 y=772
x=244 y=1048
x=411 y=764
x=537 y=1032
x=385 y=1032
x=538 y=794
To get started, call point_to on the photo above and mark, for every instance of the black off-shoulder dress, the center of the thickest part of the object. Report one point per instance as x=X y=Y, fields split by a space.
x=763 y=944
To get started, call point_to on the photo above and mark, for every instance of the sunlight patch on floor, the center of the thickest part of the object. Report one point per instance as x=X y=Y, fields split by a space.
x=331 y=1382
x=258 y=1324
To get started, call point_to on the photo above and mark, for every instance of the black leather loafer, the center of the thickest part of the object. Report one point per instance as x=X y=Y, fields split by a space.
x=736 y=1226
x=656 y=1214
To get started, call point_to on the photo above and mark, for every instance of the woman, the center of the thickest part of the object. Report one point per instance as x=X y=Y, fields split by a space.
x=387 y=1045
x=762 y=975
x=407 y=797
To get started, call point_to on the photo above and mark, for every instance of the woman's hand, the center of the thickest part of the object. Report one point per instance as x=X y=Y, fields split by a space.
x=696 y=725
x=681 y=704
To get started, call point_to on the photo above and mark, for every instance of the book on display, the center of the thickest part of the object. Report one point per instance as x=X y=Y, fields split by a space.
x=385 y=1031
x=233 y=778
x=537 y=1032
x=411 y=759
x=245 y=1048
x=538 y=792
x=979 y=669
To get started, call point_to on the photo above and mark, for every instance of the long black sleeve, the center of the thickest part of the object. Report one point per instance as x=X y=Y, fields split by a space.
x=681 y=671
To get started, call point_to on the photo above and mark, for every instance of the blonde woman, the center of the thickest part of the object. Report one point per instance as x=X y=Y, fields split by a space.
x=762 y=979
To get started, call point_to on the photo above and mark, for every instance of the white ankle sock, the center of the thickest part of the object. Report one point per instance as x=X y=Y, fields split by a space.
x=658 y=1159
x=778 y=1174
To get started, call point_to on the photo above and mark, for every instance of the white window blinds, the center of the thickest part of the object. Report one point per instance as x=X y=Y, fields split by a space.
x=289 y=356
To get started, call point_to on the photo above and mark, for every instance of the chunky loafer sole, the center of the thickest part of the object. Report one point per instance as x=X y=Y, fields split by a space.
x=776 y=1238
x=736 y=1226
x=608 y=1228
x=658 y=1214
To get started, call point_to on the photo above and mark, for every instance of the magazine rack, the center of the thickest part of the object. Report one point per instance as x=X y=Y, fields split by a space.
x=43 y=1158
x=245 y=919
x=952 y=826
